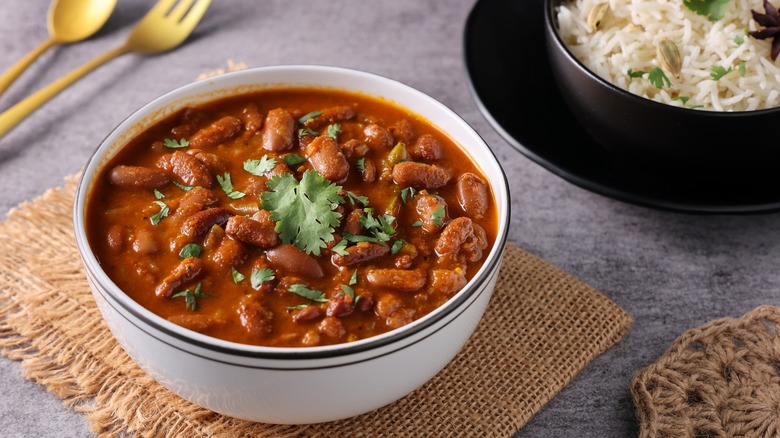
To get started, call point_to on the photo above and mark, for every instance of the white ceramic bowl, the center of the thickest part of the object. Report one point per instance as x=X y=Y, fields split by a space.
x=294 y=385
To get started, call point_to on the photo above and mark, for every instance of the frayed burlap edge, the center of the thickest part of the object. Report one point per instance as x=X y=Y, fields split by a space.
x=541 y=328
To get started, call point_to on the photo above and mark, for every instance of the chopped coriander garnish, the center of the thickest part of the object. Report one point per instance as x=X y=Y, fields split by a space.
x=361 y=164
x=303 y=132
x=293 y=159
x=304 y=211
x=380 y=226
x=158 y=194
x=355 y=199
x=227 y=187
x=718 y=72
x=190 y=250
x=260 y=276
x=635 y=74
x=173 y=144
x=183 y=187
x=742 y=69
x=334 y=130
x=308 y=116
x=353 y=279
x=260 y=167
x=340 y=248
x=417 y=223
x=407 y=193
x=658 y=78
x=164 y=210
x=438 y=216
x=358 y=238
x=190 y=297
x=712 y=9
x=683 y=99
x=298 y=307
x=738 y=40
x=397 y=245
x=237 y=276
x=347 y=290
x=304 y=291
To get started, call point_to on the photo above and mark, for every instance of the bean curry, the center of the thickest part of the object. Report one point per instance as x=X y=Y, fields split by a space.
x=291 y=218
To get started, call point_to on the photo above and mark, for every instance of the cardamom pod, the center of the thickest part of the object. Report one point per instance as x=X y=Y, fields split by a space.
x=669 y=57
x=596 y=15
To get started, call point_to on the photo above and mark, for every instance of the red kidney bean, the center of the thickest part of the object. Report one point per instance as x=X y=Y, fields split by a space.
x=279 y=130
x=138 y=177
x=427 y=147
x=425 y=206
x=473 y=195
x=217 y=133
x=307 y=314
x=252 y=118
x=369 y=171
x=215 y=164
x=397 y=279
x=145 y=242
x=391 y=309
x=339 y=304
x=354 y=147
x=325 y=156
x=280 y=169
x=194 y=322
x=258 y=233
x=187 y=270
x=402 y=131
x=256 y=319
x=352 y=223
x=359 y=253
x=410 y=173
x=188 y=169
x=454 y=235
x=229 y=253
x=448 y=281
x=330 y=115
x=116 y=237
x=377 y=137
x=366 y=301
x=195 y=200
x=199 y=223
x=332 y=328
x=474 y=246
x=294 y=260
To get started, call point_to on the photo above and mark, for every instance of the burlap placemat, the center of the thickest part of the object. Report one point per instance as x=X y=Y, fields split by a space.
x=541 y=328
x=719 y=380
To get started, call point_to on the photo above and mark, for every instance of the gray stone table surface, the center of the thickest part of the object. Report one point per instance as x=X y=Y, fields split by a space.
x=671 y=271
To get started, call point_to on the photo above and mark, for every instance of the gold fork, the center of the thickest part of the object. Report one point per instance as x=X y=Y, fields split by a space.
x=163 y=28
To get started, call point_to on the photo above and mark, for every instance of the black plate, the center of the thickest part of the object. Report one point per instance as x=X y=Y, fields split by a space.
x=511 y=80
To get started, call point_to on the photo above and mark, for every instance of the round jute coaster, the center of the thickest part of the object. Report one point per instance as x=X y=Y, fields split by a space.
x=721 y=379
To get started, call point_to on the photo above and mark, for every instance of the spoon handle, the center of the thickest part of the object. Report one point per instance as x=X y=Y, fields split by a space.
x=7 y=78
x=18 y=112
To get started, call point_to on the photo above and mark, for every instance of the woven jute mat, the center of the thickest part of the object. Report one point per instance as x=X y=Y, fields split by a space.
x=719 y=380
x=541 y=328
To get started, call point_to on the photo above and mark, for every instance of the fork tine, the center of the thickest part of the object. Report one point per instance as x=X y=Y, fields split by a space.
x=196 y=13
x=181 y=8
x=161 y=8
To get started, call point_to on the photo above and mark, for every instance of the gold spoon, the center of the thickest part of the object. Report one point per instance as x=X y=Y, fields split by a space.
x=69 y=21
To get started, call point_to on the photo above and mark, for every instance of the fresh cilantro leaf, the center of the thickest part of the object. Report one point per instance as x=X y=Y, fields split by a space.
x=397 y=245
x=353 y=278
x=658 y=78
x=183 y=187
x=190 y=297
x=683 y=99
x=227 y=187
x=334 y=130
x=304 y=211
x=712 y=9
x=303 y=132
x=237 y=276
x=438 y=216
x=738 y=40
x=260 y=167
x=158 y=194
x=355 y=199
x=190 y=250
x=309 y=116
x=340 y=248
x=380 y=226
x=298 y=307
x=260 y=276
x=304 y=291
x=173 y=144
x=157 y=217
x=718 y=72
x=346 y=290
x=361 y=164
x=407 y=193
x=293 y=159
x=742 y=69
x=417 y=223
x=635 y=74
x=357 y=238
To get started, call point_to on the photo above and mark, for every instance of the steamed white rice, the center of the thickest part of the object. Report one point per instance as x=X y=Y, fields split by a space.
x=628 y=36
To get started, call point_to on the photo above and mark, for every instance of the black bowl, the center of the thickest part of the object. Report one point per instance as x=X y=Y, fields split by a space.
x=666 y=138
